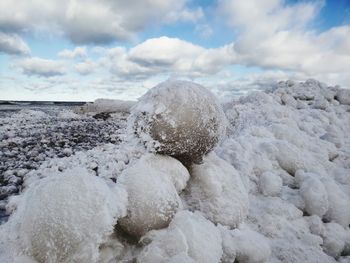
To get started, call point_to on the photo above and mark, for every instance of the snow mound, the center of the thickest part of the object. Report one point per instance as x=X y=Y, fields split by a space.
x=270 y=184
x=216 y=189
x=334 y=239
x=245 y=246
x=179 y=118
x=189 y=236
x=106 y=105
x=339 y=203
x=152 y=184
x=343 y=96
x=65 y=217
x=315 y=196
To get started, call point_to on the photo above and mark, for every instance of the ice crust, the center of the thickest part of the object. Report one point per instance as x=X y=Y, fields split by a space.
x=179 y=118
x=152 y=183
x=276 y=189
x=216 y=189
x=65 y=217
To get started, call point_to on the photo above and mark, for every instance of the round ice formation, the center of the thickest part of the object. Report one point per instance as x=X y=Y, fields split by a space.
x=333 y=239
x=245 y=246
x=270 y=184
x=189 y=236
x=65 y=217
x=180 y=119
x=315 y=196
x=216 y=188
x=152 y=185
x=339 y=203
x=343 y=96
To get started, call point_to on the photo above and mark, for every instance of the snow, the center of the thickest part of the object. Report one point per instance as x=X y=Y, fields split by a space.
x=270 y=184
x=179 y=118
x=274 y=189
x=189 y=235
x=315 y=196
x=245 y=246
x=343 y=96
x=216 y=189
x=65 y=217
x=152 y=184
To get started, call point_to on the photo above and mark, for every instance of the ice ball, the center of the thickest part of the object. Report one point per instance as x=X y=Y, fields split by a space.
x=179 y=118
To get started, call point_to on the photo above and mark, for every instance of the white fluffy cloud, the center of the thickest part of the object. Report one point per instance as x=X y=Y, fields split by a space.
x=272 y=34
x=41 y=67
x=85 y=67
x=78 y=52
x=92 y=21
x=166 y=55
x=12 y=44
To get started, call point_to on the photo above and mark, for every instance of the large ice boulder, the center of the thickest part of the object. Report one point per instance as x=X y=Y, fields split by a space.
x=152 y=183
x=65 y=217
x=180 y=119
x=189 y=236
x=216 y=189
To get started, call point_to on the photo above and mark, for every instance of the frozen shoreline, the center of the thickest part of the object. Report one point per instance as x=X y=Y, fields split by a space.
x=290 y=147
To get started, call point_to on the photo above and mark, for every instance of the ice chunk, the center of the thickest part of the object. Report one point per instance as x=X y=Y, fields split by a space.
x=188 y=235
x=343 y=96
x=270 y=184
x=65 y=217
x=315 y=196
x=339 y=203
x=152 y=184
x=179 y=118
x=249 y=246
x=217 y=190
x=334 y=239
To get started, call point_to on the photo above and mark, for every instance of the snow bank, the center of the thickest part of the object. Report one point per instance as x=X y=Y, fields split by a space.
x=106 y=105
x=152 y=185
x=180 y=119
x=189 y=236
x=65 y=217
x=287 y=151
x=216 y=189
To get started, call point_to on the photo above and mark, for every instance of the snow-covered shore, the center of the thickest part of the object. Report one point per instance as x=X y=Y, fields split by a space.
x=276 y=189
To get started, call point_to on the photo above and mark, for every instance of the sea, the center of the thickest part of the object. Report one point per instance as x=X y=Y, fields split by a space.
x=8 y=107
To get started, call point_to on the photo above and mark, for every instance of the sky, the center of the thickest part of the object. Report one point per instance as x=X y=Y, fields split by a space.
x=80 y=50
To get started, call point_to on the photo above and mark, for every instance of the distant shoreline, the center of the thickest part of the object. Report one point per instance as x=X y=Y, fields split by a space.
x=55 y=103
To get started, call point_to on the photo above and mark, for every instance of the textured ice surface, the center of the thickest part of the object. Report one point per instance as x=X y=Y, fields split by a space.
x=189 y=235
x=152 y=185
x=65 y=217
x=298 y=132
x=216 y=189
x=179 y=118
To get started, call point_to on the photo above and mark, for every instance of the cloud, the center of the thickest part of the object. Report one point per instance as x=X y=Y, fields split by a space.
x=78 y=52
x=12 y=44
x=92 y=21
x=166 y=55
x=41 y=67
x=272 y=34
x=85 y=67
